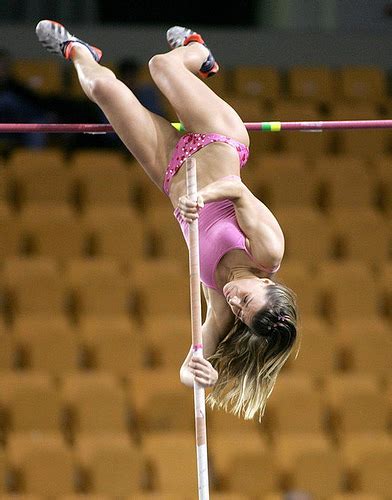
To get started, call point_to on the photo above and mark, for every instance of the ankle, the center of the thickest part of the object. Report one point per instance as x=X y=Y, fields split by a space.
x=78 y=51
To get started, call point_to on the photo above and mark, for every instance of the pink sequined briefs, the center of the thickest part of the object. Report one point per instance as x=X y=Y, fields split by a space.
x=193 y=142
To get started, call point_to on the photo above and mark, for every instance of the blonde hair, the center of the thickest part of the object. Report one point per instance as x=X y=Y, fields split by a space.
x=249 y=359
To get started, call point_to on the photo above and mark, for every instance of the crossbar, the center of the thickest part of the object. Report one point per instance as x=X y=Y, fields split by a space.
x=273 y=126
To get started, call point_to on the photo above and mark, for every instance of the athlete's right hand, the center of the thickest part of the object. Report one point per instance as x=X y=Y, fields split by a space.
x=203 y=371
x=189 y=209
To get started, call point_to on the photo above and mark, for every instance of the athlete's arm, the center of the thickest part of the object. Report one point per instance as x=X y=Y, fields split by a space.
x=218 y=321
x=256 y=221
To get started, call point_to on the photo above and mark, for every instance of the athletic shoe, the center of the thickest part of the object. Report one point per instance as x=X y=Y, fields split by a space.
x=178 y=36
x=56 y=39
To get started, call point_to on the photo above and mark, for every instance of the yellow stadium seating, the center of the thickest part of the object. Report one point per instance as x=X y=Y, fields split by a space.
x=357 y=404
x=44 y=465
x=113 y=465
x=311 y=83
x=95 y=403
x=43 y=76
x=172 y=459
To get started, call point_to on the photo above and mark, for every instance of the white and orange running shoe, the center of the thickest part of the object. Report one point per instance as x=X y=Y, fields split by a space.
x=178 y=36
x=56 y=39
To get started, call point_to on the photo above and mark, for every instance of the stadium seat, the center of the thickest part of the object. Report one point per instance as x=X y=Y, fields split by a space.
x=298 y=275
x=20 y=392
x=41 y=75
x=355 y=446
x=3 y=472
x=8 y=352
x=160 y=402
x=357 y=404
x=344 y=182
x=95 y=403
x=98 y=287
x=300 y=224
x=10 y=232
x=318 y=354
x=362 y=234
x=252 y=473
x=44 y=465
x=286 y=448
x=366 y=345
x=113 y=465
x=151 y=279
x=296 y=405
x=115 y=232
x=259 y=81
x=319 y=472
x=224 y=445
x=349 y=288
x=5 y=189
x=172 y=459
x=382 y=168
x=40 y=177
x=386 y=286
x=165 y=238
x=311 y=83
x=280 y=182
x=167 y=339
x=248 y=107
x=362 y=83
x=361 y=143
x=55 y=231
x=34 y=287
x=114 y=345
x=296 y=141
x=92 y=173
x=219 y=420
x=48 y=345
x=375 y=472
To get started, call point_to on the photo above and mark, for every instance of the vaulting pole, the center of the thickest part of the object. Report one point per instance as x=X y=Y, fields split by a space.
x=197 y=338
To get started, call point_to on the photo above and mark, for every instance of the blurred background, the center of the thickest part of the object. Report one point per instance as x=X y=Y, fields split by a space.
x=94 y=305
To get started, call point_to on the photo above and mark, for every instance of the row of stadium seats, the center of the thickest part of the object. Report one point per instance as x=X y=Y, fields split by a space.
x=325 y=183
x=144 y=400
x=315 y=84
x=99 y=287
x=125 y=235
x=112 y=465
x=54 y=345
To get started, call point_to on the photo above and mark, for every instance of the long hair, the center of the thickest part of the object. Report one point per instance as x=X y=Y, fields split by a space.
x=249 y=359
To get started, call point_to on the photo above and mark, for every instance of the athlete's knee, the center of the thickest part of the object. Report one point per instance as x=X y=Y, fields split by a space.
x=160 y=64
x=102 y=88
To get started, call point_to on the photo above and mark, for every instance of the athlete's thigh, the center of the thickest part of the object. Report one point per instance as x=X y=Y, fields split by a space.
x=149 y=137
x=199 y=108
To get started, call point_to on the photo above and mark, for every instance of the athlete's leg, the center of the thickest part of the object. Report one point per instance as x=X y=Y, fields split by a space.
x=149 y=137
x=198 y=107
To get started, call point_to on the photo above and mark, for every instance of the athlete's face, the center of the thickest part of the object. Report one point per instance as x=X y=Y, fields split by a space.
x=247 y=296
